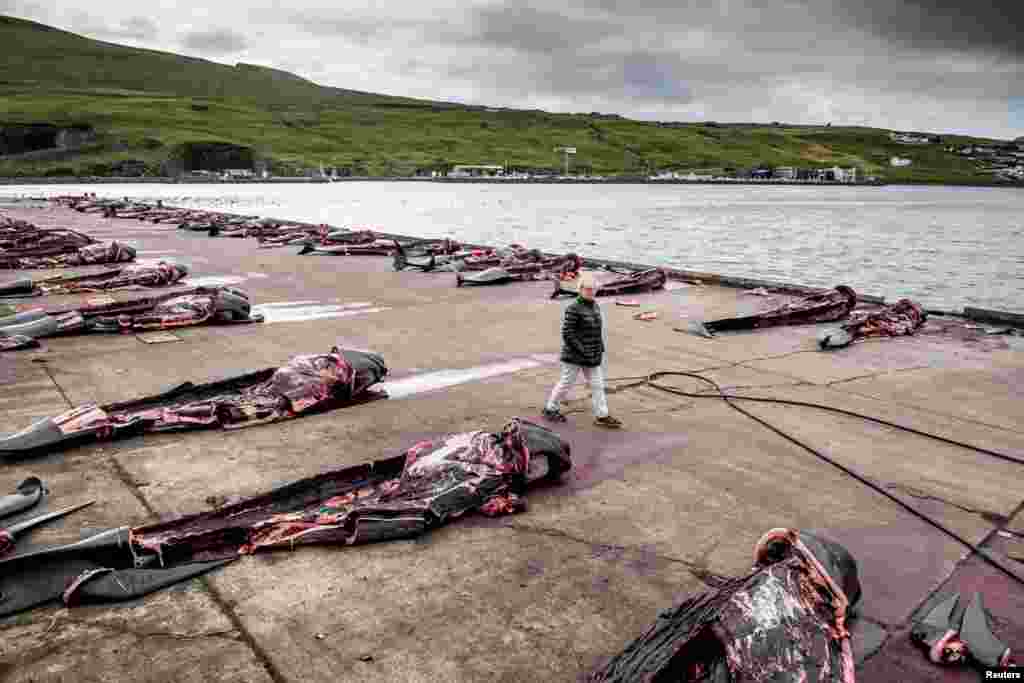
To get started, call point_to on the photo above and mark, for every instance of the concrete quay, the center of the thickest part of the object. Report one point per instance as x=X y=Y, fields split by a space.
x=687 y=487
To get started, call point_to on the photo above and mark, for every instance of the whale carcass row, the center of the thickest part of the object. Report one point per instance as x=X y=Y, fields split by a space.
x=18 y=239
x=198 y=306
x=93 y=254
x=160 y=274
x=430 y=484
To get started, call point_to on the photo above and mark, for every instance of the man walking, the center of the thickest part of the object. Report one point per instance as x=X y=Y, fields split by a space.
x=582 y=350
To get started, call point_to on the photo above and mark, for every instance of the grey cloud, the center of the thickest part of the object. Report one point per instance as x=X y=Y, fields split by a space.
x=795 y=60
x=362 y=29
x=33 y=11
x=871 y=62
x=136 y=28
x=528 y=29
x=88 y=23
x=216 y=41
x=650 y=79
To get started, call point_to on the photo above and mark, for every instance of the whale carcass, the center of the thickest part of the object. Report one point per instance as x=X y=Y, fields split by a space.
x=93 y=254
x=430 y=484
x=198 y=306
x=160 y=274
x=303 y=384
x=785 y=622
x=821 y=307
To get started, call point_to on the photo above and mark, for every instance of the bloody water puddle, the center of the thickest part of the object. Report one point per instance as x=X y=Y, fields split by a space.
x=599 y=454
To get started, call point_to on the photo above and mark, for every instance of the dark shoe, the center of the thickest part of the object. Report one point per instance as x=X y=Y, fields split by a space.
x=552 y=415
x=607 y=421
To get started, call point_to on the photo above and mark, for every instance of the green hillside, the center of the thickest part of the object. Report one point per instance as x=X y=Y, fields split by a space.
x=145 y=105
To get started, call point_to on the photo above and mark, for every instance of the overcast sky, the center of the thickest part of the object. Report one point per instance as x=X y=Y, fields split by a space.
x=931 y=65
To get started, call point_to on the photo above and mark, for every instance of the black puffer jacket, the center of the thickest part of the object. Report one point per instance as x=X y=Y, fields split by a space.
x=582 y=342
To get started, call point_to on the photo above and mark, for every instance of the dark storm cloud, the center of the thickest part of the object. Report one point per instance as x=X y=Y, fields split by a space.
x=992 y=26
x=217 y=41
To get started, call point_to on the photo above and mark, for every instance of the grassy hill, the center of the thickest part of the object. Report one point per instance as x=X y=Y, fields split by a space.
x=145 y=104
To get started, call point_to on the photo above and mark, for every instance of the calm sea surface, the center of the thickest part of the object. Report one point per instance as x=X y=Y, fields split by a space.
x=944 y=246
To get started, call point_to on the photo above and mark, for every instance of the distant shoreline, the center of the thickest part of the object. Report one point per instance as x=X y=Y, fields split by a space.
x=489 y=181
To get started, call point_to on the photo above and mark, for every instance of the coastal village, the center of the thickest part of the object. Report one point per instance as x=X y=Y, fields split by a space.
x=237 y=163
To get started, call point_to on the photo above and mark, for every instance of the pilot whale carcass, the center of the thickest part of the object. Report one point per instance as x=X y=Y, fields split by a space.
x=429 y=484
x=785 y=622
x=612 y=284
x=304 y=384
x=899 y=319
x=198 y=306
x=822 y=307
x=93 y=254
x=161 y=274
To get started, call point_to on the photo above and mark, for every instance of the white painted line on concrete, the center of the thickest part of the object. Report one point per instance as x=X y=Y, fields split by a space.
x=277 y=313
x=442 y=379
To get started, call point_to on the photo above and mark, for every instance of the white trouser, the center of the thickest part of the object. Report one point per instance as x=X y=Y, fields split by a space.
x=593 y=375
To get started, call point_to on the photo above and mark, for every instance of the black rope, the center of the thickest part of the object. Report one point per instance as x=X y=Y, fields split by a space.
x=821 y=406
x=728 y=398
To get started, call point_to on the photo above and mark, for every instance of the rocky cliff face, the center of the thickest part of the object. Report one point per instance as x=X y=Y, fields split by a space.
x=26 y=138
x=214 y=156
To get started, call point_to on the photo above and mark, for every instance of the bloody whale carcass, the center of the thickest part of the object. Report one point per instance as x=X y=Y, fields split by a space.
x=92 y=254
x=902 y=318
x=612 y=283
x=820 y=307
x=160 y=274
x=430 y=484
x=785 y=622
x=303 y=384
x=198 y=306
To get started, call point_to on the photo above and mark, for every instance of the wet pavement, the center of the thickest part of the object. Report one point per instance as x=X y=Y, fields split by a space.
x=647 y=515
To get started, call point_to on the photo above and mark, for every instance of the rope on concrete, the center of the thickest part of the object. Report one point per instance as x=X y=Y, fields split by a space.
x=728 y=398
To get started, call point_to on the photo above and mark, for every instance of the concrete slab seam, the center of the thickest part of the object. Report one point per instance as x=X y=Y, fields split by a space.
x=933 y=412
x=236 y=622
x=122 y=629
x=699 y=572
x=921 y=495
x=880 y=373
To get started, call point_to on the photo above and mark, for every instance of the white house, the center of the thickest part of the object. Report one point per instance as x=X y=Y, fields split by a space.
x=900 y=161
x=474 y=171
x=845 y=175
x=910 y=138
